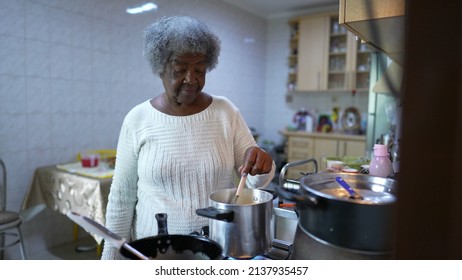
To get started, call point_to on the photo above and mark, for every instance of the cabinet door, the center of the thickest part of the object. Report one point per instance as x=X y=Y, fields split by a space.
x=312 y=53
x=293 y=56
x=299 y=148
x=335 y=147
x=379 y=23
x=349 y=61
x=352 y=148
x=359 y=64
x=325 y=147
x=339 y=56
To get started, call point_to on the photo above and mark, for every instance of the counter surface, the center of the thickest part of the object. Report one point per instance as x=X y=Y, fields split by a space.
x=338 y=136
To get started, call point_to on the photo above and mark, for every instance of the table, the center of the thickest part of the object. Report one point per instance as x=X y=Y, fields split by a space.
x=64 y=190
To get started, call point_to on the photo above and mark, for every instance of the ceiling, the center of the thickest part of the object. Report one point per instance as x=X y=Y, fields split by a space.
x=279 y=8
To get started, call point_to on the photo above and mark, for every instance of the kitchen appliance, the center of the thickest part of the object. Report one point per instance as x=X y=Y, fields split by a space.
x=243 y=228
x=334 y=226
x=160 y=247
x=384 y=98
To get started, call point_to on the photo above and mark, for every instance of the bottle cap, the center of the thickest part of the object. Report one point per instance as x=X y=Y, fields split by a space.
x=380 y=150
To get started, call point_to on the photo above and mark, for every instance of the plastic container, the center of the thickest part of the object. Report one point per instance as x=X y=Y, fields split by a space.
x=91 y=160
x=303 y=120
x=335 y=165
x=381 y=165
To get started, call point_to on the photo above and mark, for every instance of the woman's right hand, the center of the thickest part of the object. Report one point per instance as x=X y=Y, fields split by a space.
x=256 y=161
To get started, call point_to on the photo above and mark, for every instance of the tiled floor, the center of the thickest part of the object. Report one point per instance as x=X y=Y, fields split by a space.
x=70 y=251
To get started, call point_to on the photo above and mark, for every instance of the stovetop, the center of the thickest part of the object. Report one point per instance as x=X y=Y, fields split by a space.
x=280 y=250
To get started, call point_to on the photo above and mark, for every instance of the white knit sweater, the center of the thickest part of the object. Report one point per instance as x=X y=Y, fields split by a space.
x=171 y=164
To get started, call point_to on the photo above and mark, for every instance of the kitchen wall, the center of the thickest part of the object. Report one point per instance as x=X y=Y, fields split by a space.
x=71 y=69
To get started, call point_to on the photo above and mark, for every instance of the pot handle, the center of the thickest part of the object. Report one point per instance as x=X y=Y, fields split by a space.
x=302 y=200
x=216 y=214
x=98 y=229
x=163 y=243
x=161 y=224
x=296 y=163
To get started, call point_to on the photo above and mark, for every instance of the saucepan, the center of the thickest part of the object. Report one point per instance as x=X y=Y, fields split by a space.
x=164 y=246
x=242 y=227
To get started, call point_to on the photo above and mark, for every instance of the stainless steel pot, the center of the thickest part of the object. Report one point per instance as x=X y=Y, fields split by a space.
x=339 y=226
x=241 y=227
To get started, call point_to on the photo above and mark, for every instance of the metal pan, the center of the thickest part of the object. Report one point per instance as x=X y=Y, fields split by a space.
x=243 y=228
x=160 y=247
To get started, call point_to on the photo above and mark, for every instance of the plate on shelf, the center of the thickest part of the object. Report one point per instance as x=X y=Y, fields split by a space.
x=351 y=121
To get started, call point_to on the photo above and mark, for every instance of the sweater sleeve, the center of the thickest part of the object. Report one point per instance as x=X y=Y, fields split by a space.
x=244 y=140
x=122 y=197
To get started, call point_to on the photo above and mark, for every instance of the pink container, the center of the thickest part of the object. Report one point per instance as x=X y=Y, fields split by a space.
x=380 y=163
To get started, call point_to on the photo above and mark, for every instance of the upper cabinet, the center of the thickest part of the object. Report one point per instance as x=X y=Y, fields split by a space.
x=308 y=49
x=379 y=23
x=326 y=57
x=348 y=60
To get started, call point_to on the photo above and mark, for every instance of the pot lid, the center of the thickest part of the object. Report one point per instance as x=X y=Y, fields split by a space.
x=374 y=190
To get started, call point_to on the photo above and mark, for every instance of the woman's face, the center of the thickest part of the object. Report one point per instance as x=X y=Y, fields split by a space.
x=184 y=78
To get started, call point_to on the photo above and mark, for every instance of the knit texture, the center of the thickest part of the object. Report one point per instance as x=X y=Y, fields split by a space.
x=171 y=164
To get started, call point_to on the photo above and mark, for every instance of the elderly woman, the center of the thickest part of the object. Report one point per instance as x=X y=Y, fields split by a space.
x=177 y=148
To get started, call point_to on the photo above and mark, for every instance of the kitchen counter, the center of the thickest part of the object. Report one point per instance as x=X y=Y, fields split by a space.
x=302 y=145
x=337 y=136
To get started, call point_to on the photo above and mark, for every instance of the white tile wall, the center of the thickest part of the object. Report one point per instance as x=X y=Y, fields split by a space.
x=71 y=69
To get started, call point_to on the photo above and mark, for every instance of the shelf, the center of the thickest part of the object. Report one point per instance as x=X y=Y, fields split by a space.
x=326 y=55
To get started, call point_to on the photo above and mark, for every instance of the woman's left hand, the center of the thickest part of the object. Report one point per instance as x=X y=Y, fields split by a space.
x=256 y=161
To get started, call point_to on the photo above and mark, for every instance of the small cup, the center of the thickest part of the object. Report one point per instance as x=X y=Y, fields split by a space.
x=335 y=165
x=90 y=160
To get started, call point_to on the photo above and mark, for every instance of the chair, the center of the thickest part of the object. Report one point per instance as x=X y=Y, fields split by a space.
x=10 y=222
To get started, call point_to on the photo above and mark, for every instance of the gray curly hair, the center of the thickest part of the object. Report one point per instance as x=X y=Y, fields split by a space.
x=176 y=35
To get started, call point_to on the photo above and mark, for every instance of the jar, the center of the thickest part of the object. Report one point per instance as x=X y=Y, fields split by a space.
x=380 y=164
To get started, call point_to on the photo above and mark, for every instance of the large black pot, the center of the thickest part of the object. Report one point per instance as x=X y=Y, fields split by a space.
x=329 y=216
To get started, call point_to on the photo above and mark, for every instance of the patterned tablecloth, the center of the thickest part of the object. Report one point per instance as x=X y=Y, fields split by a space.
x=63 y=191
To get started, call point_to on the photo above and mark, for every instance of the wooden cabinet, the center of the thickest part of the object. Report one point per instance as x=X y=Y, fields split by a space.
x=349 y=61
x=339 y=147
x=379 y=23
x=308 y=50
x=352 y=148
x=324 y=56
x=312 y=49
x=299 y=148
x=304 y=145
x=325 y=147
x=293 y=56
